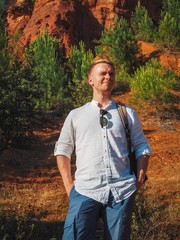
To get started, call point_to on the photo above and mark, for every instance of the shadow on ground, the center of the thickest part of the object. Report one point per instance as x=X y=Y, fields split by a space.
x=30 y=230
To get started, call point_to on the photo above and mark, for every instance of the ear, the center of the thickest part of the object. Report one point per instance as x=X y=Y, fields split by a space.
x=90 y=81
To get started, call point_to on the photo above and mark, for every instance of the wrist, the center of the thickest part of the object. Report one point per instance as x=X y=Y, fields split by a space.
x=141 y=179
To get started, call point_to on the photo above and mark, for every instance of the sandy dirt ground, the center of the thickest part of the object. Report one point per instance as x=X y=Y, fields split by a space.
x=31 y=187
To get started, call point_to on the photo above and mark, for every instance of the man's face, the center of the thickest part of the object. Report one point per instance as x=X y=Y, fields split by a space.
x=102 y=78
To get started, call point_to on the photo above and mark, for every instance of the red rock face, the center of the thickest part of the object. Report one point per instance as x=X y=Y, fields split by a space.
x=69 y=20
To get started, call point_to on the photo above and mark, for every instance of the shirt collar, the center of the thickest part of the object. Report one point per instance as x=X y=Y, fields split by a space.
x=111 y=102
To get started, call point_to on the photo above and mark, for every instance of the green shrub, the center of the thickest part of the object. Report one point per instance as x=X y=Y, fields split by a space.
x=4 y=53
x=169 y=28
x=119 y=44
x=78 y=62
x=18 y=92
x=46 y=58
x=172 y=7
x=169 y=32
x=18 y=96
x=153 y=81
x=142 y=24
x=2 y=11
x=122 y=79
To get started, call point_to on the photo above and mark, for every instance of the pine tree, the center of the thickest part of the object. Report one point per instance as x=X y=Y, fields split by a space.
x=4 y=53
x=142 y=24
x=48 y=69
x=119 y=44
x=169 y=27
x=18 y=96
x=78 y=62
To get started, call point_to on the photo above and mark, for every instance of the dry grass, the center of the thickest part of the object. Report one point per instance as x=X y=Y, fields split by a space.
x=33 y=204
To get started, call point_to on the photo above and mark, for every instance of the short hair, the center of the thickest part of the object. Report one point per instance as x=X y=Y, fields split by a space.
x=101 y=60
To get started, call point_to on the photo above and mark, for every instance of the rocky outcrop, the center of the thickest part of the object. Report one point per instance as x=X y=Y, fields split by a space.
x=69 y=20
x=74 y=20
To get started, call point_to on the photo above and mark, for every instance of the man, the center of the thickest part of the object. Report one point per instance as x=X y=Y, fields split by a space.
x=103 y=184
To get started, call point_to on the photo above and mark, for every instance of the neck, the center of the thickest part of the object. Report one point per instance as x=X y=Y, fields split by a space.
x=102 y=100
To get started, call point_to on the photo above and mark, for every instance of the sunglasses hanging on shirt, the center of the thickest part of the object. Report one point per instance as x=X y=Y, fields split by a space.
x=103 y=120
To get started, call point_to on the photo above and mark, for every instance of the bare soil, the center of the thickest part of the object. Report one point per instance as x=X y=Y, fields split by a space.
x=33 y=202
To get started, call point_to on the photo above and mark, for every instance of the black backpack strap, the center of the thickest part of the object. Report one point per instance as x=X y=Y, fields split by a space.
x=123 y=114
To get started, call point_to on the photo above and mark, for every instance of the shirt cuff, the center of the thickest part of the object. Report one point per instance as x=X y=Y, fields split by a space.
x=145 y=152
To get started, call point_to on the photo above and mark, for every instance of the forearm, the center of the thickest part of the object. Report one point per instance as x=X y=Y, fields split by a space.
x=64 y=167
x=142 y=165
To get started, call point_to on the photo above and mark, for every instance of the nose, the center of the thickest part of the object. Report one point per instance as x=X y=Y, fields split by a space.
x=107 y=75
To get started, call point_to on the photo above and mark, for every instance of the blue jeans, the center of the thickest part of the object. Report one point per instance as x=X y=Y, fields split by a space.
x=84 y=213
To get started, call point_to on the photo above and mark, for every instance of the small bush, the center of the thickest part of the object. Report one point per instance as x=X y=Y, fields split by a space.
x=46 y=58
x=4 y=52
x=169 y=28
x=18 y=96
x=79 y=61
x=119 y=44
x=122 y=79
x=153 y=81
x=172 y=7
x=142 y=24
x=169 y=32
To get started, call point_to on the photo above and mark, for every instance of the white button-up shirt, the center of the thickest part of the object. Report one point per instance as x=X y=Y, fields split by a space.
x=102 y=163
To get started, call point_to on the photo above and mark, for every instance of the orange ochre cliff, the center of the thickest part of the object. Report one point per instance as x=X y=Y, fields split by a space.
x=69 y=20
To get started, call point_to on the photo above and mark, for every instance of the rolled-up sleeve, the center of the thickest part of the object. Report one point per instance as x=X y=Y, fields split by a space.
x=65 y=144
x=139 y=142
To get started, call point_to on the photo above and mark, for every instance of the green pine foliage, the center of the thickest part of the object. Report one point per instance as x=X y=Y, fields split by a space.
x=26 y=87
x=122 y=79
x=78 y=62
x=18 y=95
x=4 y=53
x=48 y=69
x=153 y=81
x=169 y=32
x=171 y=6
x=2 y=7
x=169 y=28
x=119 y=44
x=142 y=24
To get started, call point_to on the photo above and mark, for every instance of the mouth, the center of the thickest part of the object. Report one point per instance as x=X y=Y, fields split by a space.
x=107 y=82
